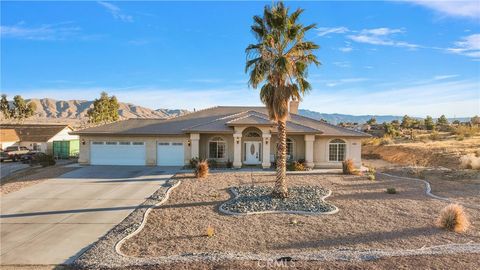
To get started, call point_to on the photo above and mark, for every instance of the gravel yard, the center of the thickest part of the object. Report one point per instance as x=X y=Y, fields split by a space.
x=368 y=218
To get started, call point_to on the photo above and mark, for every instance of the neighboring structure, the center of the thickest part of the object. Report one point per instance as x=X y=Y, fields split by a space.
x=38 y=137
x=8 y=137
x=242 y=135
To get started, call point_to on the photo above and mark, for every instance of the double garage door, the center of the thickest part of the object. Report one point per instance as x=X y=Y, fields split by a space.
x=134 y=153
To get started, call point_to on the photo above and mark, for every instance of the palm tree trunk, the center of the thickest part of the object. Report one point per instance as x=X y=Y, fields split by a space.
x=281 y=190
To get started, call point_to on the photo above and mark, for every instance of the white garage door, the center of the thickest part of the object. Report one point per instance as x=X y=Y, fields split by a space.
x=117 y=153
x=170 y=154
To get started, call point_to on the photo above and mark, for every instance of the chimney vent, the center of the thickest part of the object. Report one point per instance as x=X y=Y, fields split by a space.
x=294 y=106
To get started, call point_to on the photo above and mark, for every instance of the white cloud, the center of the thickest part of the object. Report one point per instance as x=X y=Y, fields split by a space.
x=346 y=49
x=60 y=31
x=345 y=81
x=444 y=77
x=342 y=64
x=323 y=31
x=381 y=36
x=116 y=12
x=468 y=46
x=468 y=9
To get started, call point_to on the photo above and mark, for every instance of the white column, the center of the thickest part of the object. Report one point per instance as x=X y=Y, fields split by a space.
x=266 y=150
x=309 y=139
x=194 y=145
x=237 y=150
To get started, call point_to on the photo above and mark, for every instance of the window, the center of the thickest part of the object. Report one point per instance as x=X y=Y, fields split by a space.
x=97 y=142
x=290 y=148
x=177 y=143
x=252 y=134
x=336 y=150
x=111 y=143
x=124 y=143
x=216 y=148
x=137 y=143
x=164 y=143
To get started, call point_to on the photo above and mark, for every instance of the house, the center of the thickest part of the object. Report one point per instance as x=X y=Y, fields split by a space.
x=242 y=135
x=8 y=137
x=38 y=137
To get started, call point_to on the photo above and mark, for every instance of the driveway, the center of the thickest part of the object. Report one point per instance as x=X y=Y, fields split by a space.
x=55 y=221
x=9 y=167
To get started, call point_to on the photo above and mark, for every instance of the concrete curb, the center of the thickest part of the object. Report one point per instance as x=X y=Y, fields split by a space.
x=119 y=244
x=227 y=212
x=428 y=190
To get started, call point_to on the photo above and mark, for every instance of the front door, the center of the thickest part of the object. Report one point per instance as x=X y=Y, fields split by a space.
x=252 y=153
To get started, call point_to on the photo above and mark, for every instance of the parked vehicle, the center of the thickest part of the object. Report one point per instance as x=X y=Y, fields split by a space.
x=16 y=152
x=29 y=156
x=4 y=156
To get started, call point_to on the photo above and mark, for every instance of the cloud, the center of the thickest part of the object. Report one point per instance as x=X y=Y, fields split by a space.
x=324 y=31
x=381 y=36
x=468 y=46
x=342 y=64
x=467 y=9
x=60 y=31
x=345 y=81
x=444 y=77
x=346 y=49
x=116 y=12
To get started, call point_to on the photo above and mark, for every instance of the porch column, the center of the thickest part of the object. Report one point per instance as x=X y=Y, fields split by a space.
x=309 y=139
x=266 y=150
x=194 y=145
x=237 y=150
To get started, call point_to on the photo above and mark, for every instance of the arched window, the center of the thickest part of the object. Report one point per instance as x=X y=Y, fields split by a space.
x=217 y=148
x=252 y=134
x=337 y=150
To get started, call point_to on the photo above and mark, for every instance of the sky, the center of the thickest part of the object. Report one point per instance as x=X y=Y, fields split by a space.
x=395 y=57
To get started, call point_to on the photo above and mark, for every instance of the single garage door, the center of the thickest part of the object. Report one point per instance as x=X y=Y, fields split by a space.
x=170 y=154
x=117 y=153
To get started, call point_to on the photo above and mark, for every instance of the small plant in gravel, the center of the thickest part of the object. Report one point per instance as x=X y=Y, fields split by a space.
x=348 y=167
x=294 y=221
x=201 y=171
x=453 y=218
x=296 y=166
x=371 y=177
x=210 y=232
x=391 y=190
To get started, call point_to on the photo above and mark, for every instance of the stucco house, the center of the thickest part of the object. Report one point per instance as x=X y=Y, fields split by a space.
x=37 y=137
x=242 y=135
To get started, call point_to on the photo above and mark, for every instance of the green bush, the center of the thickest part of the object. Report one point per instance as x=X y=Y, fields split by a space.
x=194 y=162
x=44 y=160
x=296 y=166
x=391 y=190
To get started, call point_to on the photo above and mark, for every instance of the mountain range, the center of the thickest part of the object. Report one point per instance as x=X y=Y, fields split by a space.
x=75 y=112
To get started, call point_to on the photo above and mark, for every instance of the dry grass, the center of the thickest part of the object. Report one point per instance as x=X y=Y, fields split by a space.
x=453 y=218
x=201 y=171
x=348 y=167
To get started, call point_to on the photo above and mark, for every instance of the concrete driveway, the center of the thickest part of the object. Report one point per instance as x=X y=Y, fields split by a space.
x=55 y=221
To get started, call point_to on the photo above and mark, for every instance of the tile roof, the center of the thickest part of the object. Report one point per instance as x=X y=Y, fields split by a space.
x=34 y=132
x=217 y=119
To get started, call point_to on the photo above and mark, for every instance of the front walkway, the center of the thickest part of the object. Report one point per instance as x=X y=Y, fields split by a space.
x=55 y=221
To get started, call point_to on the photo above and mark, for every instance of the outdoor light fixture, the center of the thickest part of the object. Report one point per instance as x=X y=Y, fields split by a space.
x=266 y=141
x=83 y=141
x=238 y=140
x=189 y=142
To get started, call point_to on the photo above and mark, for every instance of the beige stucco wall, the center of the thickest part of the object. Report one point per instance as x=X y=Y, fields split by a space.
x=320 y=153
x=203 y=145
x=150 y=146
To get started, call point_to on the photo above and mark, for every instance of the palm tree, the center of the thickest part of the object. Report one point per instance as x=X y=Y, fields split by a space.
x=279 y=61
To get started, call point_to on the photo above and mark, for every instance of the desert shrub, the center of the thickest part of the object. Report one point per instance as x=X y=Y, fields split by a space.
x=371 y=177
x=434 y=136
x=44 y=160
x=201 y=171
x=470 y=161
x=296 y=166
x=453 y=218
x=194 y=162
x=391 y=190
x=348 y=167
x=210 y=231
x=386 y=140
x=460 y=137
x=466 y=131
x=229 y=164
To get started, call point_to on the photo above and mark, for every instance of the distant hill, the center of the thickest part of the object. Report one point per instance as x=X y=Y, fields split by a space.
x=336 y=118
